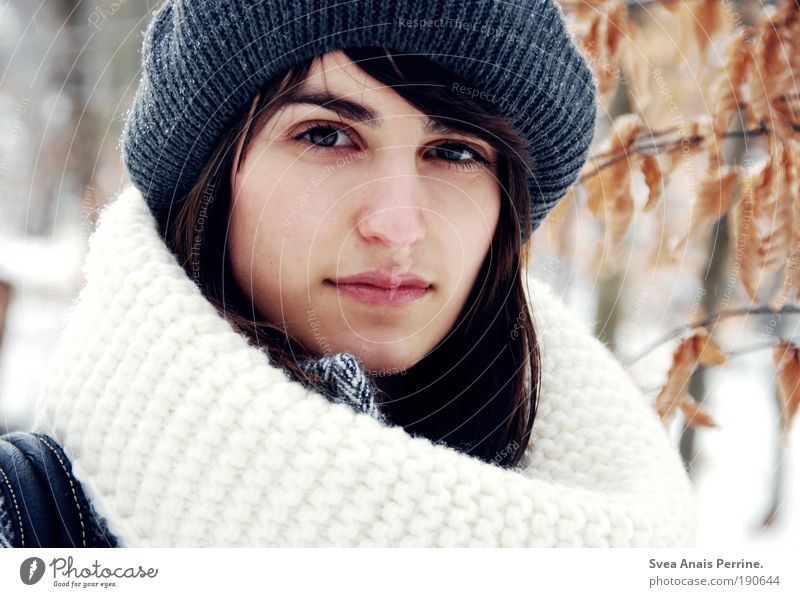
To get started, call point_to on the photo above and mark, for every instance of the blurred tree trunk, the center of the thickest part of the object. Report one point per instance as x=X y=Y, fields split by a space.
x=68 y=156
x=719 y=247
x=611 y=285
x=608 y=312
x=712 y=286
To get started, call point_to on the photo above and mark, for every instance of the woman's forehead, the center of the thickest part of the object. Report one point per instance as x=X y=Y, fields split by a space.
x=334 y=74
x=336 y=83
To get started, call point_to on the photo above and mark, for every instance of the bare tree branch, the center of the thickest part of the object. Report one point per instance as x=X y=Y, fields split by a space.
x=710 y=320
x=665 y=147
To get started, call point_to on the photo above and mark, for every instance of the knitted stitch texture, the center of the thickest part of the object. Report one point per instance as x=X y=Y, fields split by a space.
x=346 y=381
x=183 y=434
x=204 y=61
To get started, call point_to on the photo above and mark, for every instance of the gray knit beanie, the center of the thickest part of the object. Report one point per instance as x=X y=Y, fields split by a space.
x=204 y=60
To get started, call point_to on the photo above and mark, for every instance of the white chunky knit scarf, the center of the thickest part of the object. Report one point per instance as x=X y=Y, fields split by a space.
x=183 y=434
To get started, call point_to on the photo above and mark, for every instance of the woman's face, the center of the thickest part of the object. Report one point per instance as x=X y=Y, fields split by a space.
x=358 y=226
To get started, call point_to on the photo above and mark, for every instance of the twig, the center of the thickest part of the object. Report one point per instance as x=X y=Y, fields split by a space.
x=626 y=152
x=652 y=135
x=711 y=319
x=728 y=356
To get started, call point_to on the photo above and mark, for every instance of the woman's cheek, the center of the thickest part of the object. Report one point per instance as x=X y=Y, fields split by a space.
x=490 y=215
x=474 y=218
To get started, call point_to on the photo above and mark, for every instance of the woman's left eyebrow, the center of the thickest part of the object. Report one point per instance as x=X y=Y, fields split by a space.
x=360 y=113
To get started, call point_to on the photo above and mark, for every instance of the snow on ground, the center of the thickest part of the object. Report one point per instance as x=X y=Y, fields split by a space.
x=737 y=461
x=45 y=275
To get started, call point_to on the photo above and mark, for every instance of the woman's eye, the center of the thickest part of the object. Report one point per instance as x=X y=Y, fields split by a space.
x=324 y=136
x=460 y=156
x=327 y=138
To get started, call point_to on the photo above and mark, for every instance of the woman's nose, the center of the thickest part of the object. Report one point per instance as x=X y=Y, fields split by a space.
x=392 y=212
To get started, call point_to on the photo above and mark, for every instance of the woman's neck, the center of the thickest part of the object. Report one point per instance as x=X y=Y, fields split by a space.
x=392 y=385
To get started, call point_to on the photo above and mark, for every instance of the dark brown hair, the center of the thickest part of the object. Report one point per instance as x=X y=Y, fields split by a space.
x=477 y=390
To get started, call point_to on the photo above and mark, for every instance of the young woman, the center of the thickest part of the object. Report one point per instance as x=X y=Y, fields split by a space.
x=308 y=321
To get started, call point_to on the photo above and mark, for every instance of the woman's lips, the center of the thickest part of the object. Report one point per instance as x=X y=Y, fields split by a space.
x=376 y=295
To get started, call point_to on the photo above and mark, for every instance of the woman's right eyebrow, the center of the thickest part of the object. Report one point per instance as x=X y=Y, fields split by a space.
x=343 y=107
x=360 y=113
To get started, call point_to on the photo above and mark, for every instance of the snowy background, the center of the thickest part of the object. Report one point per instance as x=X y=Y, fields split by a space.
x=67 y=72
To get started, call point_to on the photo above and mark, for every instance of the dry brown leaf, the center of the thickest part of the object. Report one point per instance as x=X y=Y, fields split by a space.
x=698 y=136
x=672 y=7
x=788 y=109
x=742 y=230
x=694 y=413
x=595 y=50
x=773 y=211
x=699 y=22
x=776 y=69
x=635 y=64
x=788 y=15
x=691 y=352
x=765 y=221
x=786 y=357
x=716 y=192
x=609 y=191
x=790 y=286
x=766 y=71
x=709 y=200
x=612 y=180
x=601 y=44
x=708 y=19
x=684 y=362
x=730 y=80
x=709 y=353
x=617 y=27
x=582 y=8
x=687 y=40
x=713 y=199
x=653 y=177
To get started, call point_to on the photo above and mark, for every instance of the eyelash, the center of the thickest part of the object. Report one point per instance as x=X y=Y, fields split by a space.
x=463 y=165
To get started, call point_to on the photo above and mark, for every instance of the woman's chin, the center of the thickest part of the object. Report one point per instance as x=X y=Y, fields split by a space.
x=384 y=358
